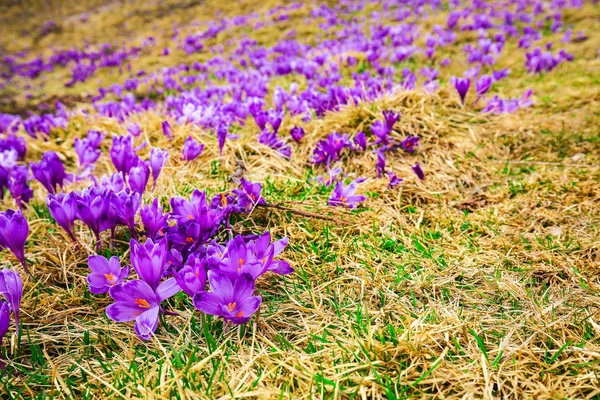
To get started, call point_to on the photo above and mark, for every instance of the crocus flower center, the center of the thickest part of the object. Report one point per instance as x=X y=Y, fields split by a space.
x=142 y=303
x=189 y=239
x=253 y=197
x=231 y=306
x=343 y=199
x=240 y=263
x=240 y=314
x=110 y=278
x=190 y=216
x=223 y=199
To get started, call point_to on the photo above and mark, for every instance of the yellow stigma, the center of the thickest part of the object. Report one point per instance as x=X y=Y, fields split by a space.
x=142 y=303
x=231 y=306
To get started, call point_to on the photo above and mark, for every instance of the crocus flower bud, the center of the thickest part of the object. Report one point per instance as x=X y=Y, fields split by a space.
x=297 y=133
x=462 y=87
x=158 y=159
x=191 y=149
x=134 y=129
x=11 y=287
x=63 y=208
x=166 y=127
x=138 y=177
x=49 y=171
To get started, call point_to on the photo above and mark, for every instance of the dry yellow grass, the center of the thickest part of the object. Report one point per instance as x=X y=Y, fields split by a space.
x=480 y=282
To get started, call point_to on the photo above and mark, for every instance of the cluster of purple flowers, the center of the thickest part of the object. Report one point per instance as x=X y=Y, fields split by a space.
x=539 y=61
x=185 y=256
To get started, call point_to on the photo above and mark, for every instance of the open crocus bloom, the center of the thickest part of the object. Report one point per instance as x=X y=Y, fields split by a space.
x=135 y=300
x=105 y=273
x=232 y=300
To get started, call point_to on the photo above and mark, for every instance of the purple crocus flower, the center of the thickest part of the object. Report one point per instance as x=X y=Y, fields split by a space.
x=17 y=185
x=500 y=74
x=344 y=196
x=122 y=154
x=166 y=128
x=462 y=86
x=153 y=219
x=11 y=287
x=249 y=194
x=192 y=277
x=329 y=149
x=13 y=234
x=239 y=259
x=418 y=171
x=394 y=180
x=134 y=129
x=158 y=159
x=234 y=301
x=126 y=204
x=361 y=141
x=93 y=209
x=264 y=250
x=222 y=131
x=297 y=133
x=390 y=118
x=381 y=160
x=483 y=85
x=270 y=139
x=49 y=171
x=381 y=131
x=63 y=208
x=136 y=300
x=409 y=144
x=184 y=210
x=138 y=177
x=149 y=260
x=105 y=273
x=191 y=149
x=87 y=148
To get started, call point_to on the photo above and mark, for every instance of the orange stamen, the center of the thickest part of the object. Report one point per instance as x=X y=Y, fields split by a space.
x=240 y=314
x=189 y=239
x=142 y=303
x=231 y=306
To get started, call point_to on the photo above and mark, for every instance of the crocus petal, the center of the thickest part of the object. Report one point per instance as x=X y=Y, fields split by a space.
x=128 y=292
x=123 y=312
x=167 y=289
x=98 y=264
x=146 y=323
x=220 y=284
x=244 y=286
x=281 y=267
x=208 y=303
